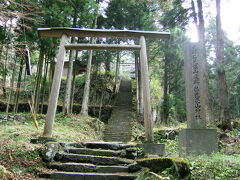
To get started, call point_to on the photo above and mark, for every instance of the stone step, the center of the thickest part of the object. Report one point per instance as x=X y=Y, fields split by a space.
x=98 y=145
x=84 y=167
x=121 y=116
x=112 y=120
x=96 y=152
x=113 y=125
x=114 y=132
x=112 y=169
x=92 y=176
x=114 y=139
x=119 y=133
x=114 y=129
x=73 y=144
x=117 y=137
x=107 y=145
x=104 y=160
x=117 y=125
x=73 y=167
x=94 y=161
x=124 y=121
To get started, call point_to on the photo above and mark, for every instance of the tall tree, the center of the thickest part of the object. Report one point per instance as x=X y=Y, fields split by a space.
x=173 y=88
x=85 y=101
x=221 y=75
x=67 y=96
x=130 y=14
x=79 y=16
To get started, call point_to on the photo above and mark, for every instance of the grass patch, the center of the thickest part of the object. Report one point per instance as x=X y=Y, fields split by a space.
x=217 y=166
x=20 y=160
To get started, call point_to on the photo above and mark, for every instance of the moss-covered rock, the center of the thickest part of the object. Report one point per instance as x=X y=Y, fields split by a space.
x=50 y=150
x=131 y=152
x=177 y=166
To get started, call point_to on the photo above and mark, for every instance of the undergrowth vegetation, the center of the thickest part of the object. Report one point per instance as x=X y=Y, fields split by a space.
x=223 y=165
x=217 y=166
x=19 y=159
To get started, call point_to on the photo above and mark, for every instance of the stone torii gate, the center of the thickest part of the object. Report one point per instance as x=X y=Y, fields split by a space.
x=65 y=32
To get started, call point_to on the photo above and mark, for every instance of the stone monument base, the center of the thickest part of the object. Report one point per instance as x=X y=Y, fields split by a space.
x=153 y=149
x=197 y=141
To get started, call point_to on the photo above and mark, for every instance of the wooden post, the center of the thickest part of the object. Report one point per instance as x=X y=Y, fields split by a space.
x=53 y=98
x=117 y=72
x=136 y=77
x=139 y=85
x=146 y=90
x=140 y=89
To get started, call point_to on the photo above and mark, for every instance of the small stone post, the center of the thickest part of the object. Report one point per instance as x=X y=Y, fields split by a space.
x=196 y=139
x=53 y=98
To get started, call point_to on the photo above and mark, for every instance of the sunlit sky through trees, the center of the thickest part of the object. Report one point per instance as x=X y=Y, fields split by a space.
x=230 y=14
x=230 y=19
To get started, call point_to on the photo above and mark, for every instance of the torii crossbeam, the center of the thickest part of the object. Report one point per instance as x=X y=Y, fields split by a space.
x=65 y=32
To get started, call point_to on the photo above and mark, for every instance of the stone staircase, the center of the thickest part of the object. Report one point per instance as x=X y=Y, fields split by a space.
x=119 y=128
x=94 y=161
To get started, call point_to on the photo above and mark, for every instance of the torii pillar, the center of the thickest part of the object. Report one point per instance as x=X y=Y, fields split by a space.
x=146 y=90
x=53 y=98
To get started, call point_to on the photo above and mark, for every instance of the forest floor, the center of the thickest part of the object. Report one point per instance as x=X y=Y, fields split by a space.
x=19 y=159
x=223 y=165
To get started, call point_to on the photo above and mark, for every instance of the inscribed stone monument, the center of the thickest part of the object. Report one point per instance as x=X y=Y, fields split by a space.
x=196 y=139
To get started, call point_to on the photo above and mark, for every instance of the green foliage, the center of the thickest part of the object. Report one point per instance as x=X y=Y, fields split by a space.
x=175 y=15
x=145 y=175
x=20 y=160
x=171 y=147
x=3 y=172
x=167 y=69
x=231 y=61
x=91 y=128
x=138 y=134
x=130 y=14
x=100 y=83
x=156 y=92
x=140 y=152
x=216 y=166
